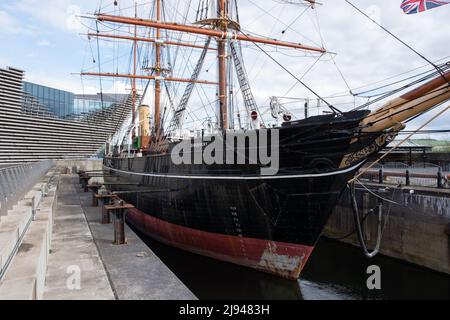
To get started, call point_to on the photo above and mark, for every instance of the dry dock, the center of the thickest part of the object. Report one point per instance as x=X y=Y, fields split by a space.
x=66 y=253
x=416 y=226
x=53 y=244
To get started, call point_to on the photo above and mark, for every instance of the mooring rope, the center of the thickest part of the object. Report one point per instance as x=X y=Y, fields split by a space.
x=359 y=233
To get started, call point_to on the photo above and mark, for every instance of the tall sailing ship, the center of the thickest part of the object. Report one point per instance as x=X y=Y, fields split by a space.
x=236 y=211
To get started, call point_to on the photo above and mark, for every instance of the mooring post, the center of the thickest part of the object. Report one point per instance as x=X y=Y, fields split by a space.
x=106 y=217
x=94 y=188
x=439 y=178
x=119 y=210
x=80 y=176
x=106 y=199
x=408 y=181
x=84 y=182
x=119 y=225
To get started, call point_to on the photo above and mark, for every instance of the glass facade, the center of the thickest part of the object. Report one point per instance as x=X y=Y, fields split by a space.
x=58 y=102
x=83 y=105
x=64 y=104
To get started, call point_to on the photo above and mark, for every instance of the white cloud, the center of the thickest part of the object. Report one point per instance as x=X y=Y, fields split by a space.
x=43 y=43
x=60 y=14
x=365 y=53
x=10 y=25
x=119 y=87
x=71 y=83
x=3 y=61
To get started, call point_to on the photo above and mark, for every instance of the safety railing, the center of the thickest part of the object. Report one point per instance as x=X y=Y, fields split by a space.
x=419 y=174
x=16 y=181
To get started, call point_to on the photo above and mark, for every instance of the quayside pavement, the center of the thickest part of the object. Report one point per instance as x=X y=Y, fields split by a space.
x=85 y=264
x=53 y=245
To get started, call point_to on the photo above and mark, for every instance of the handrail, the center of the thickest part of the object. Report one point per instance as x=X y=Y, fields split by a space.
x=16 y=181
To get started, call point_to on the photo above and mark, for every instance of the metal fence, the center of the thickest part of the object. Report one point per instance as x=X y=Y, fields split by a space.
x=419 y=174
x=16 y=181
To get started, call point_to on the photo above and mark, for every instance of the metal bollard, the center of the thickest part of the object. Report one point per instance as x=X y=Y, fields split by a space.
x=119 y=225
x=119 y=210
x=94 y=200
x=80 y=176
x=94 y=188
x=439 y=179
x=85 y=182
x=106 y=217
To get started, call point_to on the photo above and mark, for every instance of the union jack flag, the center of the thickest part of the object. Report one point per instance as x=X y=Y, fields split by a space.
x=415 y=6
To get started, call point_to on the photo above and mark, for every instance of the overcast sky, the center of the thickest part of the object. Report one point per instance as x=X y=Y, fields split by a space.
x=43 y=38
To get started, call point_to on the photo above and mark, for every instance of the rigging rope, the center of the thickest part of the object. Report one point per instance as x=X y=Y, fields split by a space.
x=362 y=94
x=334 y=109
x=342 y=76
x=338 y=94
x=411 y=107
x=295 y=20
x=281 y=22
x=397 y=90
x=99 y=65
x=398 y=39
x=399 y=144
x=304 y=75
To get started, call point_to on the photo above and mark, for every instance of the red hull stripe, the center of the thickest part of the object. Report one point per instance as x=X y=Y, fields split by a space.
x=280 y=258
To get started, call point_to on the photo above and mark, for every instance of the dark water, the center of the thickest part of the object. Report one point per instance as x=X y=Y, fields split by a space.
x=334 y=271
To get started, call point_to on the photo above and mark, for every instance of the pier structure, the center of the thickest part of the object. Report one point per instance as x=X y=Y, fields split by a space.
x=54 y=244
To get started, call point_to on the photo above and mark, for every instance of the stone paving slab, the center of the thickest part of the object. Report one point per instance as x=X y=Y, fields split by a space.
x=134 y=270
x=72 y=250
x=127 y=272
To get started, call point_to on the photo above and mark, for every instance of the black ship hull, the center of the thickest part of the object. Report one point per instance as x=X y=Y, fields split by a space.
x=233 y=213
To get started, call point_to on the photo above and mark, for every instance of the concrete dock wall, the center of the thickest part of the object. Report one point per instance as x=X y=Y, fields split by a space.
x=415 y=230
x=69 y=165
x=31 y=235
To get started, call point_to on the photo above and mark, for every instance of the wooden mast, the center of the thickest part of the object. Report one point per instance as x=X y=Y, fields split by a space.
x=222 y=56
x=206 y=32
x=410 y=104
x=221 y=32
x=131 y=76
x=157 y=115
x=133 y=116
x=151 y=40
